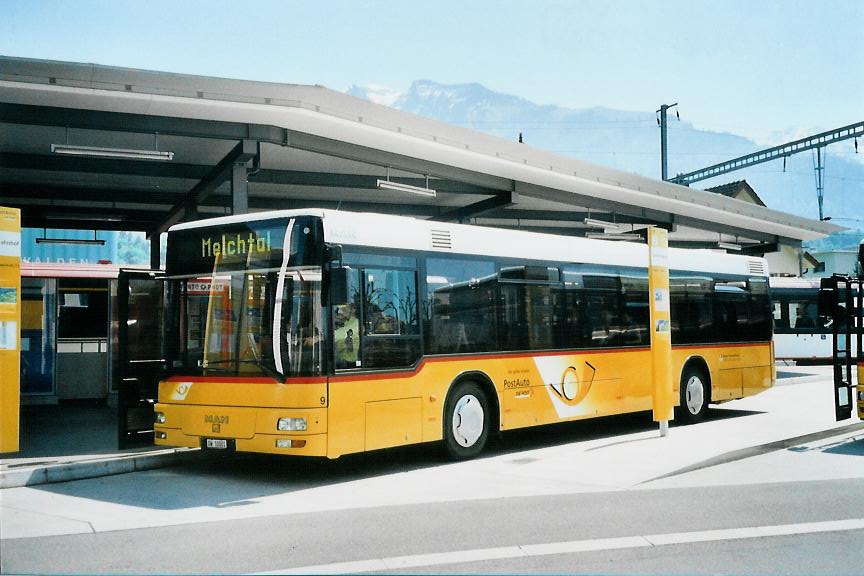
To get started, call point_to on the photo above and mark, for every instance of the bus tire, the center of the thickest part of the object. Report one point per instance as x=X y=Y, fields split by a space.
x=695 y=392
x=466 y=421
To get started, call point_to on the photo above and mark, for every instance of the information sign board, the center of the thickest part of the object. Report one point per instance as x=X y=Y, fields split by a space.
x=10 y=327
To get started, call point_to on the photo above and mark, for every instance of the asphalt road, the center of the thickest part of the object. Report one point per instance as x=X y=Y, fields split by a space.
x=273 y=543
x=799 y=510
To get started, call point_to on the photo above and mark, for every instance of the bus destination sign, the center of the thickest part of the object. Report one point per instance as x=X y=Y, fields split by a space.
x=236 y=245
x=250 y=245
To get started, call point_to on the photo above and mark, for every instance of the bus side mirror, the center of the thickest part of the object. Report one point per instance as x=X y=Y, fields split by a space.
x=333 y=253
x=338 y=286
x=825 y=301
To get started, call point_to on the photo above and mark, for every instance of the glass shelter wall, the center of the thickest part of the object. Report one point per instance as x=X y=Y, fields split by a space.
x=65 y=335
x=38 y=335
x=83 y=309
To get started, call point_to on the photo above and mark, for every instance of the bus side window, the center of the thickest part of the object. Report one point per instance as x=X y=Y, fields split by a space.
x=346 y=325
x=778 y=315
x=604 y=300
x=636 y=311
x=759 y=317
x=692 y=308
x=802 y=315
x=461 y=305
x=731 y=320
x=390 y=332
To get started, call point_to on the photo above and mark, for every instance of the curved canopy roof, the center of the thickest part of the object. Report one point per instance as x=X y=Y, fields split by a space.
x=307 y=146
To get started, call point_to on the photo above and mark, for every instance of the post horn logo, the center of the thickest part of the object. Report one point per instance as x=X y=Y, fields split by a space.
x=574 y=387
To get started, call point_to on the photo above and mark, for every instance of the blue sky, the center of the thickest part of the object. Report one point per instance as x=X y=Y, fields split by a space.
x=766 y=69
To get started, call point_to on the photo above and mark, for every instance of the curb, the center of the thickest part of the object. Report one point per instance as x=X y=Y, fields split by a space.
x=66 y=471
x=751 y=451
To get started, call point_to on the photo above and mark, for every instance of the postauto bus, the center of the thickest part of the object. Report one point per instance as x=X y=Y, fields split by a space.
x=322 y=333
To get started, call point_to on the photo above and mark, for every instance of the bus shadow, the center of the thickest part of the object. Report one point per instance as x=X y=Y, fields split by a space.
x=726 y=413
x=595 y=429
x=853 y=446
x=225 y=481
x=782 y=375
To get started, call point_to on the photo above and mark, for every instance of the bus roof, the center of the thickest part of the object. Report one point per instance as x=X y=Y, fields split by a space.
x=403 y=232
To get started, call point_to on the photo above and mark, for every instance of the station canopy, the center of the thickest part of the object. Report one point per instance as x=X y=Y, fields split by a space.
x=84 y=146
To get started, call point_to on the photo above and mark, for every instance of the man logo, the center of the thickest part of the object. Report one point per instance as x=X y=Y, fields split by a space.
x=216 y=421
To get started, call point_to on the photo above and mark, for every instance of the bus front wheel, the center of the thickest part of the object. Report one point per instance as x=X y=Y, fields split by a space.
x=466 y=421
x=695 y=395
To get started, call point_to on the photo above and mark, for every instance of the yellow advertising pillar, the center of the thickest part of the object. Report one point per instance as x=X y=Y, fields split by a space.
x=661 y=328
x=10 y=327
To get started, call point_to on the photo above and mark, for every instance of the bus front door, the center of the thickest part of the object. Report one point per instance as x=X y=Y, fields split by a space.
x=140 y=305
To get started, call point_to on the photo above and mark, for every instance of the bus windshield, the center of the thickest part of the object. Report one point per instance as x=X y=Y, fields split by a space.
x=245 y=299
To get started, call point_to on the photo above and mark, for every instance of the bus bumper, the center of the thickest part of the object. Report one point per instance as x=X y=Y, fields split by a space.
x=220 y=428
x=294 y=445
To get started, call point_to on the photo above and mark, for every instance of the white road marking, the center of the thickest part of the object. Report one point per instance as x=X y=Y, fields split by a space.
x=571 y=547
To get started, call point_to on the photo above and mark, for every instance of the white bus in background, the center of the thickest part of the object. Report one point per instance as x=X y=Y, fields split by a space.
x=799 y=333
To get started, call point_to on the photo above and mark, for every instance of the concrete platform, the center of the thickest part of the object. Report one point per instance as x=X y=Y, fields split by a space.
x=74 y=441
x=77 y=442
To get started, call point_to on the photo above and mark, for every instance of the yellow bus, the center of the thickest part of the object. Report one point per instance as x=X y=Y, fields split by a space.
x=323 y=333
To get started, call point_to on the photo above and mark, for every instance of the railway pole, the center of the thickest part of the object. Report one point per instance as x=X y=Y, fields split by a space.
x=664 y=170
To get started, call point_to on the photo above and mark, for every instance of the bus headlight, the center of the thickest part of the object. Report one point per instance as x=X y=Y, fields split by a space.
x=291 y=424
x=160 y=417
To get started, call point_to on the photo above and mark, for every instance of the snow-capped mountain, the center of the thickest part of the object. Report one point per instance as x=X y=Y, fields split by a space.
x=377 y=94
x=630 y=140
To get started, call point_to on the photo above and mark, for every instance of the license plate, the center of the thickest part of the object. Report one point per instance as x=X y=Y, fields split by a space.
x=216 y=443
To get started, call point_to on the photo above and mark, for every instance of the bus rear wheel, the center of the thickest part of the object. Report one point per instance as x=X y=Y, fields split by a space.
x=466 y=421
x=695 y=395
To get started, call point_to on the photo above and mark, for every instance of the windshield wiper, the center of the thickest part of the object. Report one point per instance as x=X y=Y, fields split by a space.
x=211 y=366
x=264 y=367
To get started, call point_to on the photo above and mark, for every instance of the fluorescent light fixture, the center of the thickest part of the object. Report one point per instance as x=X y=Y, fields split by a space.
x=123 y=153
x=729 y=246
x=78 y=216
x=390 y=185
x=91 y=241
x=594 y=223
x=69 y=241
x=601 y=236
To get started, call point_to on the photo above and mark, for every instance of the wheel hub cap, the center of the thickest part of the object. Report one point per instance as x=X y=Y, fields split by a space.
x=695 y=394
x=467 y=420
